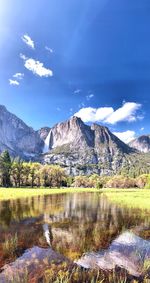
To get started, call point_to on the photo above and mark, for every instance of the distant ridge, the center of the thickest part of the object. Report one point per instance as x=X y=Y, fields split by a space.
x=141 y=143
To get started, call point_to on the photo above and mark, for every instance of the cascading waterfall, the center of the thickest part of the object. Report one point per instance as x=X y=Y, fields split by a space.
x=46 y=143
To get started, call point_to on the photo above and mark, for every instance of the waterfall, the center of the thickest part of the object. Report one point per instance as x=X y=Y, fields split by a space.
x=46 y=143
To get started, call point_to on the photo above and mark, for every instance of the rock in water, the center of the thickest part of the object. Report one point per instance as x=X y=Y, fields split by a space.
x=128 y=251
x=31 y=260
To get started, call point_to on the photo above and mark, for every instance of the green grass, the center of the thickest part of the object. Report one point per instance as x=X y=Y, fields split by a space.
x=132 y=198
x=14 y=193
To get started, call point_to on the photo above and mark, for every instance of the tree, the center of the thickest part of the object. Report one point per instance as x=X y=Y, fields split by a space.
x=44 y=176
x=52 y=175
x=17 y=173
x=5 y=169
x=26 y=173
x=35 y=174
x=83 y=181
x=57 y=175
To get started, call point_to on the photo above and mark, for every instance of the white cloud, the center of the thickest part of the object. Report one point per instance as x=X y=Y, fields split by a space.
x=142 y=129
x=18 y=76
x=108 y=115
x=89 y=96
x=58 y=109
x=77 y=91
x=126 y=136
x=27 y=39
x=90 y=114
x=49 y=49
x=13 y=82
x=125 y=113
x=22 y=56
x=36 y=67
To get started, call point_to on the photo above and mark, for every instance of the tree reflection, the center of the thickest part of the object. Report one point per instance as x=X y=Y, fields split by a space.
x=79 y=222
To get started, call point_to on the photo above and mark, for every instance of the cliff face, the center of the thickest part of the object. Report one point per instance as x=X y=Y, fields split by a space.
x=17 y=137
x=73 y=133
x=142 y=143
x=80 y=147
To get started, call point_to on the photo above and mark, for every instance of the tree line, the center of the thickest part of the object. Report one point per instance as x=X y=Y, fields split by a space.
x=17 y=173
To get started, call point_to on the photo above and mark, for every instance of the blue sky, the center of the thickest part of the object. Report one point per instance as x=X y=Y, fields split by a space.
x=85 y=57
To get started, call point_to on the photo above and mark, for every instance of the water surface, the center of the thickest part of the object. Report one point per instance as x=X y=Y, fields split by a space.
x=77 y=223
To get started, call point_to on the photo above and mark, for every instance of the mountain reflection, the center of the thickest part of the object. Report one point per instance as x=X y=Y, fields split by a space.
x=78 y=222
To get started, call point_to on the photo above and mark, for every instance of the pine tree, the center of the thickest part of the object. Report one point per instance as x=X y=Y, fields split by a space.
x=5 y=169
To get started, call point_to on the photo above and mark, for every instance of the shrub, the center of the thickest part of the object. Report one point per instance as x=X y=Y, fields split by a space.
x=83 y=181
x=121 y=182
x=142 y=180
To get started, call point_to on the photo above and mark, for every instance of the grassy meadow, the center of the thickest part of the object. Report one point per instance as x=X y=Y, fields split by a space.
x=132 y=198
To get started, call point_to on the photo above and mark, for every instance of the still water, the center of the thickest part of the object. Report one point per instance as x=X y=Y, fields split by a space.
x=76 y=223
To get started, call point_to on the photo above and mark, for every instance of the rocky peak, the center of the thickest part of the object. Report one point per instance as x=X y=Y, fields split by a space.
x=16 y=136
x=103 y=136
x=2 y=108
x=73 y=133
x=142 y=143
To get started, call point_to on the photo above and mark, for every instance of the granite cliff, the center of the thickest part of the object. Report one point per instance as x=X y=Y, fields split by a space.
x=141 y=143
x=79 y=147
x=17 y=137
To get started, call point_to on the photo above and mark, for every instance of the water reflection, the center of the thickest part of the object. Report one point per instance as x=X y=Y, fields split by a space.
x=77 y=222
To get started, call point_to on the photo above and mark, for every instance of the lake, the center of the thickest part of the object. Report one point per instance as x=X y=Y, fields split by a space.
x=73 y=224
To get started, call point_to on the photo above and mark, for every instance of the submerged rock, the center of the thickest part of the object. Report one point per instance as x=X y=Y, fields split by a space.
x=128 y=251
x=31 y=260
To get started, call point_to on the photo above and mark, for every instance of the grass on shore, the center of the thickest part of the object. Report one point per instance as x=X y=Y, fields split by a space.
x=136 y=198
x=14 y=193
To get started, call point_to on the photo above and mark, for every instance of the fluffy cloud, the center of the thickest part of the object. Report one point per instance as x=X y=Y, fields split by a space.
x=36 y=67
x=126 y=136
x=27 y=39
x=18 y=76
x=108 y=115
x=90 y=114
x=125 y=113
x=13 y=82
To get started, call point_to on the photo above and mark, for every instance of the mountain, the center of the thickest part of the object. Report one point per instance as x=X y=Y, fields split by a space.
x=81 y=149
x=141 y=143
x=17 y=137
x=84 y=149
